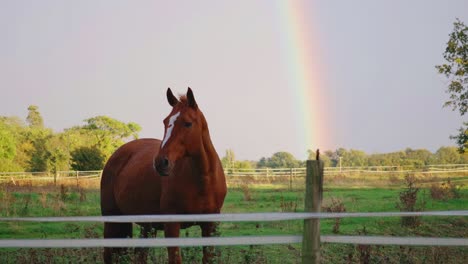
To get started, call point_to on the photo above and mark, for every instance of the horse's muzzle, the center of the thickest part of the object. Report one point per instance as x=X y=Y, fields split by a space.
x=163 y=166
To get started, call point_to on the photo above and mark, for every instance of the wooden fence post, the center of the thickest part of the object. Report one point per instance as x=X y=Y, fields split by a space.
x=313 y=201
x=290 y=178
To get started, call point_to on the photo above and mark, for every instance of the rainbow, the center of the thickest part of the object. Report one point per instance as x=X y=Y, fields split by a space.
x=302 y=61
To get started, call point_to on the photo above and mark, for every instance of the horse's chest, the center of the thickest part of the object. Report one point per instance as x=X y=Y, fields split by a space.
x=188 y=201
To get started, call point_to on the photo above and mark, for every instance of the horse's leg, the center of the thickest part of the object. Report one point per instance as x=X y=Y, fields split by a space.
x=115 y=230
x=173 y=230
x=208 y=230
x=142 y=253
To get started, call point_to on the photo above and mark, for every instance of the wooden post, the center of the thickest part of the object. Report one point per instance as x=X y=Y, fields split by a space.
x=313 y=201
x=290 y=178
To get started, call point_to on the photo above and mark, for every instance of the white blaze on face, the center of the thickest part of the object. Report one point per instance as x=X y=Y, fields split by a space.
x=169 y=128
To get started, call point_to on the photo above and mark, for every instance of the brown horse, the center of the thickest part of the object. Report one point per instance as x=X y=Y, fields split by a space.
x=180 y=175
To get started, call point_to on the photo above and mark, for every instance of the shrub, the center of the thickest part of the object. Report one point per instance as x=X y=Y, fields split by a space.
x=246 y=191
x=445 y=190
x=409 y=202
x=87 y=158
x=336 y=206
x=286 y=206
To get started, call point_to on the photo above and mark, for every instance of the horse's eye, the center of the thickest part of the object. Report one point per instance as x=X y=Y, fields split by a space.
x=187 y=124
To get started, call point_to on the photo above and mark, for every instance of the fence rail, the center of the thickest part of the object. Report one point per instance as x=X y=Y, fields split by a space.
x=267 y=172
x=48 y=176
x=250 y=217
x=225 y=241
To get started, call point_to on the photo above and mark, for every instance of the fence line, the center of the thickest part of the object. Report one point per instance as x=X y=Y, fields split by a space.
x=260 y=172
x=45 y=176
x=238 y=217
x=310 y=239
x=71 y=173
x=227 y=241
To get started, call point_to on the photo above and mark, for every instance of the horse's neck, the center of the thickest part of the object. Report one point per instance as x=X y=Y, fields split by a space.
x=209 y=160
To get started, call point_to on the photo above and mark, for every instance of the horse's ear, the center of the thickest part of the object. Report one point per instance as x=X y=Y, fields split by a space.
x=171 y=98
x=191 y=99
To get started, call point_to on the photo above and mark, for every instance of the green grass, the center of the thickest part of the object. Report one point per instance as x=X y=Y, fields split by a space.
x=54 y=201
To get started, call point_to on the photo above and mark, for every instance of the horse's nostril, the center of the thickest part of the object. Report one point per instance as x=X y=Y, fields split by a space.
x=162 y=166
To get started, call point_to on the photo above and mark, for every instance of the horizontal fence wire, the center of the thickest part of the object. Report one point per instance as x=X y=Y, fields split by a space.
x=239 y=217
x=227 y=241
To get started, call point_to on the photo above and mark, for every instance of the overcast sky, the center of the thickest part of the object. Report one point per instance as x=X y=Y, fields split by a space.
x=79 y=59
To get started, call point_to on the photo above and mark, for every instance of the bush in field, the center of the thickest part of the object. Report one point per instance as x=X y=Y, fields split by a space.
x=393 y=179
x=336 y=206
x=409 y=202
x=288 y=206
x=445 y=190
x=87 y=158
x=246 y=191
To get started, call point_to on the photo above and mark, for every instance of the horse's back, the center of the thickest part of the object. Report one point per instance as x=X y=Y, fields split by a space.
x=129 y=183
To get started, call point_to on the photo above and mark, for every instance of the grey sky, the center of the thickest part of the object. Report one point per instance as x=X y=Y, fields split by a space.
x=79 y=59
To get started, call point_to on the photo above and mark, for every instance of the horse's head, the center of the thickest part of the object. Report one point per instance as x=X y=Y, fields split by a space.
x=183 y=132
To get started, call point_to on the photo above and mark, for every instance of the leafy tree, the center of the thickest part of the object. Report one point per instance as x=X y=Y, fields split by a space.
x=29 y=146
x=387 y=159
x=87 y=158
x=109 y=133
x=58 y=153
x=7 y=147
x=229 y=159
x=262 y=163
x=462 y=138
x=37 y=139
x=283 y=160
x=229 y=162
x=34 y=118
x=12 y=123
x=331 y=157
x=341 y=157
x=244 y=164
x=17 y=129
x=447 y=155
x=354 y=158
x=456 y=71
x=7 y=144
x=113 y=127
x=417 y=157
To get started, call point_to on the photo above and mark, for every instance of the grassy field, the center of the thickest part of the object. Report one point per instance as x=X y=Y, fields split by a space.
x=350 y=194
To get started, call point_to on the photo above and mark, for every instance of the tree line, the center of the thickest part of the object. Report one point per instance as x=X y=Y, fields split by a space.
x=353 y=158
x=27 y=145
